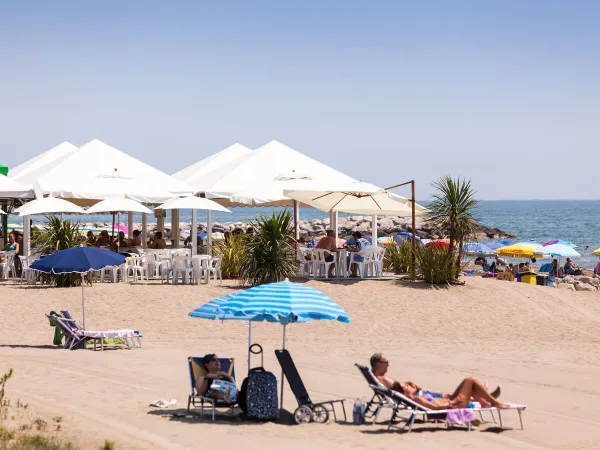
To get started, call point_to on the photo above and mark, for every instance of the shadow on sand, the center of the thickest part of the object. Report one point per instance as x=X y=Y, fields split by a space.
x=221 y=417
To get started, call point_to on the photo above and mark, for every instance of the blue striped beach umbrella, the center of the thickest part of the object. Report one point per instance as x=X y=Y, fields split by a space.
x=284 y=302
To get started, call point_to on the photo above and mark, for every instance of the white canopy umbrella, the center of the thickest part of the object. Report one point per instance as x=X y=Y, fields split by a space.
x=47 y=205
x=361 y=198
x=194 y=203
x=32 y=169
x=118 y=204
x=191 y=202
x=10 y=188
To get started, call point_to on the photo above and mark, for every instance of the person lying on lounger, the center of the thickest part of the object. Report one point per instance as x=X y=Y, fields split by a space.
x=468 y=389
x=205 y=385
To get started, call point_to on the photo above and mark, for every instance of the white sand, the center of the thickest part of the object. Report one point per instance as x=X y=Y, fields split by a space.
x=540 y=344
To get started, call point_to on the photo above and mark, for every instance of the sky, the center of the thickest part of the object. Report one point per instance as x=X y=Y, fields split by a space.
x=505 y=93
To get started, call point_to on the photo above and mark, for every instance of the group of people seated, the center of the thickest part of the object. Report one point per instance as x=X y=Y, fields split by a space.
x=105 y=240
x=357 y=244
x=468 y=390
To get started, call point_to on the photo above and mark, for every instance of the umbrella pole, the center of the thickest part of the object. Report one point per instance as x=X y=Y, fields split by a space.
x=113 y=227
x=82 y=301
x=282 y=378
x=249 y=344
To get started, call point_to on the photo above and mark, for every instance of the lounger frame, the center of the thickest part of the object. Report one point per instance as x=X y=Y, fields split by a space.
x=195 y=399
x=405 y=404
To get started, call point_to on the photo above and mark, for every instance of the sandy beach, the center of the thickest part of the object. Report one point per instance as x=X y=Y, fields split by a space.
x=540 y=345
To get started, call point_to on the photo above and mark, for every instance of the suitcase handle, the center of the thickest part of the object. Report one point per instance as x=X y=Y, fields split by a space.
x=256 y=349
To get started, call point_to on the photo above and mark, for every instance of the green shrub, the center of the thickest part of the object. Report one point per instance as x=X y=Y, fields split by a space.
x=232 y=250
x=269 y=255
x=398 y=258
x=435 y=265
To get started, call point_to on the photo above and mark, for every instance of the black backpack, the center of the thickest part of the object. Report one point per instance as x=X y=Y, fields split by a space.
x=258 y=395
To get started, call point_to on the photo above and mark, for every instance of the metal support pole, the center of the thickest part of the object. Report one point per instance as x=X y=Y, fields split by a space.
x=296 y=219
x=175 y=228
x=26 y=236
x=194 y=232
x=282 y=375
x=209 y=231
x=129 y=225
x=82 y=301
x=249 y=344
x=334 y=226
x=414 y=233
x=374 y=230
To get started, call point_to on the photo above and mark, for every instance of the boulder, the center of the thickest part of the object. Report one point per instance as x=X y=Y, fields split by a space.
x=566 y=287
x=584 y=287
x=384 y=224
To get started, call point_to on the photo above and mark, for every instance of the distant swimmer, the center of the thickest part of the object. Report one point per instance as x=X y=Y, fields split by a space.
x=587 y=247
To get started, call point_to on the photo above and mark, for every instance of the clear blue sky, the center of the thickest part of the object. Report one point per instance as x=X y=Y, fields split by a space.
x=498 y=91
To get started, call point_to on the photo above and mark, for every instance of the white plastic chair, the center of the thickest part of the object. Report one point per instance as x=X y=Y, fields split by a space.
x=182 y=266
x=8 y=265
x=320 y=265
x=165 y=267
x=199 y=264
x=28 y=275
x=306 y=265
x=213 y=266
x=361 y=264
x=376 y=263
x=139 y=268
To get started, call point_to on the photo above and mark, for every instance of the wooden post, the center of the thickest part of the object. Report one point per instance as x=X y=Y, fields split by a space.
x=296 y=219
x=129 y=224
x=209 y=231
x=194 y=232
x=144 y=228
x=414 y=232
x=175 y=228
x=26 y=235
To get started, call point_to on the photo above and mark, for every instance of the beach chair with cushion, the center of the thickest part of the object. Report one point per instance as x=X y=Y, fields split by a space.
x=72 y=339
x=307 y=411
x=378 y=401
x=196 y=369
x=405 y=404
x=130 y=340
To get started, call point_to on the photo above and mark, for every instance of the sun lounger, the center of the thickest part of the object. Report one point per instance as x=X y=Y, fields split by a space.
x=75 y=337
x=137 y=336
x=378 y=401
x=415 y=410
x=307 y=411
x=196 y=370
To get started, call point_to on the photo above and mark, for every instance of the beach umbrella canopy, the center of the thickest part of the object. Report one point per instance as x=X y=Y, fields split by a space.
x=118 y=204
x=506 y=242
x=10 y=188
x=285 y=302
x=531 y=243
x=340 y=242
x=46 y=205
x=521 y=250
x=596 y=252
x=191 y=202
x=474 y=248
x=494 y=245
x=560 y=241
x=78 y=260
x=439 y=243
x=559 y=250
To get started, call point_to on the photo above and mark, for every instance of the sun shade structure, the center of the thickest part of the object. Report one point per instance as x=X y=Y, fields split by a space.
x=357 y=198
x=477 y=249
x=98 y=171
x=29 y=171
x=48 y=205
x=190 y=202
x=10 y=188
x=559 y=250
x=78 y=260
x=193 y=174
x=118 y=204
x=559 y=241
x=260 y=169
x=521 y=250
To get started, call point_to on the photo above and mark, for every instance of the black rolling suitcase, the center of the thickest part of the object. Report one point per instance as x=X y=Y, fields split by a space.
x=258 y=396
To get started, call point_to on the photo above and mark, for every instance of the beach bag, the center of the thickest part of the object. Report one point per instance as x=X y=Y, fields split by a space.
x=258 y=395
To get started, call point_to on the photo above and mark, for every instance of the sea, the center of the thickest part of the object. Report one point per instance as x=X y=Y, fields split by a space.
x=577 y=221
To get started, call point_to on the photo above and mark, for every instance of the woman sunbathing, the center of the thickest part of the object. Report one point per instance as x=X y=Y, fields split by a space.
x=468 y=389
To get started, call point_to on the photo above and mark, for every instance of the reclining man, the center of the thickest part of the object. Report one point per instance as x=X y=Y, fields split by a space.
x=468 y=389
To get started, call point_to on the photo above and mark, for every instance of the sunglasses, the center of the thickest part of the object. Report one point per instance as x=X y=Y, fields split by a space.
x=214 y=359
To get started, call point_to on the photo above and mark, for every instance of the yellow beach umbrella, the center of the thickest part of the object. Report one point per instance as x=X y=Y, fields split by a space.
x=596 y=252
x=520 y=250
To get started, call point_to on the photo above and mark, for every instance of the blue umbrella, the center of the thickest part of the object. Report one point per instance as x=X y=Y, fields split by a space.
x=477 y=249
x=78 y=260
x=494 y=245
x=285 y=302
x=506 y=242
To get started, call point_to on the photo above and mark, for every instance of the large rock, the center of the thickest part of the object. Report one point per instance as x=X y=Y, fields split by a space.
x=584 y=287
x=566 y=287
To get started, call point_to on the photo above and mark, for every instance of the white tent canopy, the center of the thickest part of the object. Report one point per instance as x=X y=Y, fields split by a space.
x=191 y=202
x=29 y=171
x=10 y=188
x=192 y=174
x=259 y=169
x=99 y=171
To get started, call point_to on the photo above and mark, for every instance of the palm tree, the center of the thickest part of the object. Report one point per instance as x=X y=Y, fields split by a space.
x=269 y=255
x=451 y=211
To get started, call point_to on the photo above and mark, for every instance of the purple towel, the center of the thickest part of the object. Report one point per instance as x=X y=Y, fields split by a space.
x=459 y=416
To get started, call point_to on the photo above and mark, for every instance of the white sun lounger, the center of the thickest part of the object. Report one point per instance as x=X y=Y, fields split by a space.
x=403 y=403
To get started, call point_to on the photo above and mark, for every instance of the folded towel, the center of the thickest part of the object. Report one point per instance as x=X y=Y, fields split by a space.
x=459 y=416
